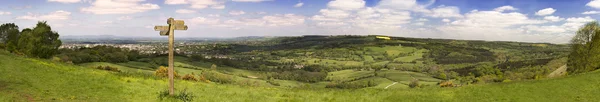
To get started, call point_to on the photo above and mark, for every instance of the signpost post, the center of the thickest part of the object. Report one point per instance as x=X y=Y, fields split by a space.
x=169 y=31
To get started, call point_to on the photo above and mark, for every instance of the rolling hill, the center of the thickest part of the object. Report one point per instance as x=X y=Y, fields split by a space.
x=28 y=79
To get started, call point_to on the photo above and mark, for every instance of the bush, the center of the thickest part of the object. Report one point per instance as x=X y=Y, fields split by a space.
x=351 y=85
x=446 y=84
x=272 y=82
x=189 y=77
x=183 y=96
x=203 y=79
x=108 y=68
x=414 y=84
x=163 y=72
x=218 y=77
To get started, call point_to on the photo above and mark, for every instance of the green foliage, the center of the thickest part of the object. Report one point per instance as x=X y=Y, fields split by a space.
x=414 y=84
x=585 y=54
x=108 y=68
x=352 y=85
x=184 y=96
x=99 y=54
x=164 y=72
x=214 y=76
x=273 y=82
x=40 y=41
x=9 y=36
x=190 y=77
x=300 y=75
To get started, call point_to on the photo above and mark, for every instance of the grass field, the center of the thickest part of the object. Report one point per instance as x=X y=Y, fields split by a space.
x=25 y=79
x=418 y=54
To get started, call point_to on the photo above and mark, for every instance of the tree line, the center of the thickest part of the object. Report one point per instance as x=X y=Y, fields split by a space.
x=39 y=41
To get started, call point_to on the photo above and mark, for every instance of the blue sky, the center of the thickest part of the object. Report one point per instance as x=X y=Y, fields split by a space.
x=552 y=21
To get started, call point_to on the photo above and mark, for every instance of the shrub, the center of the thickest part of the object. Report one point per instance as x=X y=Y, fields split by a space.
x=446 y=84
x=272 y=82
x=414 y=84
x=189 y=77
x=163 y=72
x=203 y=79
x=183 y=96
x=218 y=77
x=109 y=68
x=351 y=85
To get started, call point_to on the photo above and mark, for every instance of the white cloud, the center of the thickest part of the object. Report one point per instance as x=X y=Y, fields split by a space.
x=495 y=19
x=125 y=18
x=251 y=0
x=235 y=13
x=218 y=7
x=336 y=14
x=106 y=22
x=214 y=15
x=346 y=4
x=491 y=25
x=552 y=29
x=593 y=4
x=546 y=11
x=276 y=20
x=505 y=8
x=422 y=20
x=574 y=23
x=446 y=20
x=284 y=20
x=4 y=13
x=57 y=15
x=410 y=5
x=199 y=4
x=185 y=11
x=553 y=18
x=203 y=20
x=445 y=12
x=174 y=2
x=119 y=7
x=65 y=1
x=299 y=4
x=419 y=23
x=590 y=12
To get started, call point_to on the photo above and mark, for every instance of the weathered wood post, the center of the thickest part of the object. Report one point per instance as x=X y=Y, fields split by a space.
x=169 y=31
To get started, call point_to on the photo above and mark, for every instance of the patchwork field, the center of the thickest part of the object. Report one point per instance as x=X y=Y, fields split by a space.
x=25 y=79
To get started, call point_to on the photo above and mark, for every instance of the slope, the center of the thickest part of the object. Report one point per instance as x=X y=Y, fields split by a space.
x=25 y=79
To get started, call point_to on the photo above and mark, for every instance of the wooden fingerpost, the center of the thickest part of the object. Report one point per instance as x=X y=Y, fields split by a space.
x=169 y=31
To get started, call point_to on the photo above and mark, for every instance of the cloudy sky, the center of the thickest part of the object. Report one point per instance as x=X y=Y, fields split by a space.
x=552 y=21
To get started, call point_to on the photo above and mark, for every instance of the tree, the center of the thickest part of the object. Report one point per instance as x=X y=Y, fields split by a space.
x=585 y=52
x=9 y=35
x=40 y=41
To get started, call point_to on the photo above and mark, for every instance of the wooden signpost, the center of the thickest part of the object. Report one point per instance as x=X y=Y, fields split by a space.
x=169 y=31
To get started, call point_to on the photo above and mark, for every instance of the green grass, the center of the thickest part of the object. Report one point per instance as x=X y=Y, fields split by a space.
x=399 y=76
x=121 y=67
x=333 y=62
x=138 y=65
x=414 y=56
x=24 y=79
x=391 y=50
x=346 y=75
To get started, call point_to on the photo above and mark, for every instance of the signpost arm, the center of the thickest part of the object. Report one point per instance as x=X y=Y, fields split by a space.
x=171 y=54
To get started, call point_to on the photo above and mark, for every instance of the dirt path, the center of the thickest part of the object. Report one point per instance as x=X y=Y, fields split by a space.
x=558 y=72
x=391 y=85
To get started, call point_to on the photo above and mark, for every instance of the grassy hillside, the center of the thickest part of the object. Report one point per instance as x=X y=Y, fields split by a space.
x=25 y=79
